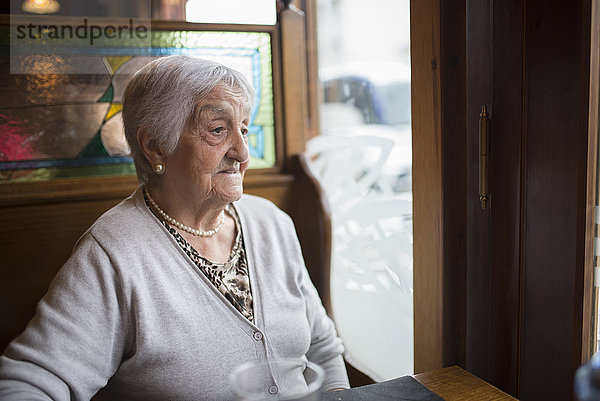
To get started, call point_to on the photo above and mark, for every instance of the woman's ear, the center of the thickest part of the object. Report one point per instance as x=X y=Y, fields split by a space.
x=150 y=147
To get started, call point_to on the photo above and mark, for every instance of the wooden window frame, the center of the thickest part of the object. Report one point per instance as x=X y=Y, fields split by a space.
x=590 y=301
x=288 y=120
x=428 y=224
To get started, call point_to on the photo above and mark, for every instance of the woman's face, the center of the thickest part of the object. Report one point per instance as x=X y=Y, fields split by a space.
x=212 y=155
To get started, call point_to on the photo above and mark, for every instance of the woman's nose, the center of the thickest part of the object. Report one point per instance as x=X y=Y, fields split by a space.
x=239 y=147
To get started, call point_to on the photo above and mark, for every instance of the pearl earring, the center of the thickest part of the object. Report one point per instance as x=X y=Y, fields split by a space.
x=159 y=168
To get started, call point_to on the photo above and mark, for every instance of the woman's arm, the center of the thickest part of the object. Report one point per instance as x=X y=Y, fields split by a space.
x=326 y=348
x=76 y=340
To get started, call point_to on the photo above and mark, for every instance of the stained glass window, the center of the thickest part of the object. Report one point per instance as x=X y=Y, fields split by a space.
x=56 y=124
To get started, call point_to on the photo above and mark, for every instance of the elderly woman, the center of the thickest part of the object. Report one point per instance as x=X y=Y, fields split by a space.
x=186 y=279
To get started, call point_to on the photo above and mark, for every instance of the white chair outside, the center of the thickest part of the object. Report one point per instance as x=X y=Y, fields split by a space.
x=371 y=267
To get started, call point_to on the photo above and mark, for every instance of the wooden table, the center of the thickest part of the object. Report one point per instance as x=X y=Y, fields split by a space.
x=456 y=384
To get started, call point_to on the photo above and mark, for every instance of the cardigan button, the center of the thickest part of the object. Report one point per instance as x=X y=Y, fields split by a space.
x=273 y=390
x=258 y=335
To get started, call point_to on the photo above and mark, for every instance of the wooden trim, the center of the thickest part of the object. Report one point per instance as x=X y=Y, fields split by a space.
x=65 y=190
x=295 y=103
x=278 y=100
x=312 y=64
x=98 y=188
x=589 y=324
x=454 y=384
x=556 y=105
x=261 y=180
x=454 y=179
x=427 y=183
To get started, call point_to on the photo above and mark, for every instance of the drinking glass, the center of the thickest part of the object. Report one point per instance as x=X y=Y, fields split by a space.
x=278 y=379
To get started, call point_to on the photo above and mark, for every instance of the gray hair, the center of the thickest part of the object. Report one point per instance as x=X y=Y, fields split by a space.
x=161 y=98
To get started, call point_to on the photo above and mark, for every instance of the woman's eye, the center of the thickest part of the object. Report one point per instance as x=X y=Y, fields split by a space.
x=218 y=130
x=244 y=131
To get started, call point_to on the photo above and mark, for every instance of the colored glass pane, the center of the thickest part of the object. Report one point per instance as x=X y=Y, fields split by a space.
x=58 y=124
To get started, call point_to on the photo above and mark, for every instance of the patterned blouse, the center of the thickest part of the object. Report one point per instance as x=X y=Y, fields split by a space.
x=230 y=278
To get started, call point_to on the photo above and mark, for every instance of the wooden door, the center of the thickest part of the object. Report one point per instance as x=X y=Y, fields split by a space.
x=494 y=78
x=529 y=63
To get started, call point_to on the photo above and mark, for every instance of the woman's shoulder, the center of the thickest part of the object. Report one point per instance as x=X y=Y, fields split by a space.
x=260 y=216
x=256 y=207
x=121 y=221
x=253 y=201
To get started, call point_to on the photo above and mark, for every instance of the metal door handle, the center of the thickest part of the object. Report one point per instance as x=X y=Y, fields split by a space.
x=484 y=156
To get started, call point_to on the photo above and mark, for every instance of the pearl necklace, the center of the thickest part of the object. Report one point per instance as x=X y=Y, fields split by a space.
x=183 y=227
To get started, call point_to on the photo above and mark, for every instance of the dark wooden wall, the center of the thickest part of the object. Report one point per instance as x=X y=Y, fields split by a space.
x=513 y=274
x=515 y=304
x=553 y=199
x=494 y=71
x=454 y=177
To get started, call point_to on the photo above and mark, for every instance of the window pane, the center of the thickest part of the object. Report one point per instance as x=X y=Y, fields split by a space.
x=259 y=12
x=363 y=158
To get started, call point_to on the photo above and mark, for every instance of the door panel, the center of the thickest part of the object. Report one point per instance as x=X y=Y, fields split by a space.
x=494 y=78
x=529 y=62
x=479 y=67
x=556 y=38
x=506 y=108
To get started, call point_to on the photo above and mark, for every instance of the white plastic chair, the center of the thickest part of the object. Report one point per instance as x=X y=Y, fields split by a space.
x=347 y=167
x=371 y=267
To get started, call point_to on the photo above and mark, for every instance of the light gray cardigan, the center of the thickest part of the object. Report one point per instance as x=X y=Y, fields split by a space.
x=130 y=316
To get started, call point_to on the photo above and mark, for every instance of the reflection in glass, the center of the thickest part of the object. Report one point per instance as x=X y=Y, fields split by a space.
x=40 y=6
x=363 y=159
